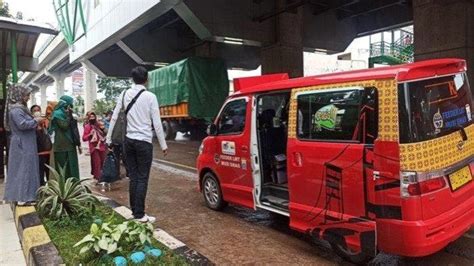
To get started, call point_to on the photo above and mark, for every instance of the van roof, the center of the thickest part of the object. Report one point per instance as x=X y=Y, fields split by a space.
x=405 y=72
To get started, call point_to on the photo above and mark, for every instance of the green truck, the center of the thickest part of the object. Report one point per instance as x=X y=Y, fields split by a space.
x=190 y=94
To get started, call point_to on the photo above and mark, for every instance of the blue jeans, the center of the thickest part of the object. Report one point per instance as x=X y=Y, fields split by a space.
x=138 y=156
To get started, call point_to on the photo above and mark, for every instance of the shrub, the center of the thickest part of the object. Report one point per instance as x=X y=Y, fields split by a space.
x=63 y=196
x=109 y=238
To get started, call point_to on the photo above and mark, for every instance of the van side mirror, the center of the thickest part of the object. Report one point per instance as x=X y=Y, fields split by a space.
x=212 y=130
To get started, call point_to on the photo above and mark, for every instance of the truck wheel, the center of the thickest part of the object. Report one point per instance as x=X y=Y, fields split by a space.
x=198 y=133
x=170 y=133
x=212 y=193
x=356 y=257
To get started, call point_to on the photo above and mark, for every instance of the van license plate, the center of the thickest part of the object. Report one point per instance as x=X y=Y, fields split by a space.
x=460 y=178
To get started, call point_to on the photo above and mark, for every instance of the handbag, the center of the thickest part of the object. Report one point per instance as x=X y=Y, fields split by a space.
x=43 y=141
x=109 y=169
x=120 y=127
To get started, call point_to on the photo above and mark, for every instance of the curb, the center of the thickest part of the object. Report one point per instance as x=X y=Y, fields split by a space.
x=179 y=248
x=36 y=244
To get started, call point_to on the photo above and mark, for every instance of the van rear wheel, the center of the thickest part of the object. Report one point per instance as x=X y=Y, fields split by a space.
x=212 y=192
x=356 y=257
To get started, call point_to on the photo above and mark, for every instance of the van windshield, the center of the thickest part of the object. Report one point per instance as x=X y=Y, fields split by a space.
x=433 y=108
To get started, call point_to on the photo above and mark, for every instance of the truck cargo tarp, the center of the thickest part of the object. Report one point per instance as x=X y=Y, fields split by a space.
x=201 y=82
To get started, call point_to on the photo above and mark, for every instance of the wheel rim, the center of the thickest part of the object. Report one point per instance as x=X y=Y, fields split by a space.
x=211 y=192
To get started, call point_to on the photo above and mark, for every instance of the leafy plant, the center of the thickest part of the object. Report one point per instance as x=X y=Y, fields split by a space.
x=63 y=196
x=109 y=238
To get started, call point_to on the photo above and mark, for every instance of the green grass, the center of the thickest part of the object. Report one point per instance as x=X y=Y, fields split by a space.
x=68 y=231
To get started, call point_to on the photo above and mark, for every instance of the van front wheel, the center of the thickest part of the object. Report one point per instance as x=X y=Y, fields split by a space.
x=212 y=193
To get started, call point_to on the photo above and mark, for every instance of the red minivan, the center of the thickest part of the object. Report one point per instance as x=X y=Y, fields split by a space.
x=369 y=160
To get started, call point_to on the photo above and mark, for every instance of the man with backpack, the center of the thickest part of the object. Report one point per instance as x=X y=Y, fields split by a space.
x=135 y=114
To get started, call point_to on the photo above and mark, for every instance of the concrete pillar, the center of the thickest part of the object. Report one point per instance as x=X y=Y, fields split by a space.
x=33 y=98
x=444 y=28
x=43 y=96
x=90 y=88
x=59 y=83
x=286 y=54
x=208 y=49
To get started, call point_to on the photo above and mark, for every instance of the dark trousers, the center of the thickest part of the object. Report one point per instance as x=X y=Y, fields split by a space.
x=139 y=155
x=43 y=170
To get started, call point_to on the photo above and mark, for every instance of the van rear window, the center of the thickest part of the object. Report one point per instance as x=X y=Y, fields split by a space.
x=433 y=108
x=338 y=115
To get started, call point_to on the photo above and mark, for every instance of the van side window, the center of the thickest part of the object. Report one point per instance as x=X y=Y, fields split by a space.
x=340 y=115
x=232 y=118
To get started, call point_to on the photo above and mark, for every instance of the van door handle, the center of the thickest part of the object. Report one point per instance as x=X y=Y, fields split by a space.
x=244 y=148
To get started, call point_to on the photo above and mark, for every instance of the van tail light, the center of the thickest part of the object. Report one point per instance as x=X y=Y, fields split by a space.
x=416 y=184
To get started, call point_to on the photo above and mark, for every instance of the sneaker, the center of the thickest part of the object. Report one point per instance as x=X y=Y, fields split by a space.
x=146 y=219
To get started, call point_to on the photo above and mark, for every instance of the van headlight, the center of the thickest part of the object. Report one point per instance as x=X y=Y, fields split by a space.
x=201 y=148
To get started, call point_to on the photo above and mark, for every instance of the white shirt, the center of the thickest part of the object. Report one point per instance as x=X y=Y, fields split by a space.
x=143 y=113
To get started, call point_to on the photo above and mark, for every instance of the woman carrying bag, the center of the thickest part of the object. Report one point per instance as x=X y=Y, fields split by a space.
x=95 y=135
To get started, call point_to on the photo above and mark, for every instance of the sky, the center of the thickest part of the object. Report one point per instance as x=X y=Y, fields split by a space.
x=39 y=10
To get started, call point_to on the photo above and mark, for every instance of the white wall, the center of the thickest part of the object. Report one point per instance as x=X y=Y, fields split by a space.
x=105 y=18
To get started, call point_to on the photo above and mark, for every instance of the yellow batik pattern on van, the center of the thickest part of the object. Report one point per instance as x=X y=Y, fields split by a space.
x=388 y=105
x=438 y=153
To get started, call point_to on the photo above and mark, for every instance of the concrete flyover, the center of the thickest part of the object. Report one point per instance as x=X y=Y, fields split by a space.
x=118 y=35
x=53 y=67
x=245 y=33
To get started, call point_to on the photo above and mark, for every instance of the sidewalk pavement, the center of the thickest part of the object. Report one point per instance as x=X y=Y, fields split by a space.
x=10 y=247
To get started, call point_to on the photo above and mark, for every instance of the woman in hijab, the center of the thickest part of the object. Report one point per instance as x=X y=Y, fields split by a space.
x=95 y=135
x=23 y=173
x=63 y=127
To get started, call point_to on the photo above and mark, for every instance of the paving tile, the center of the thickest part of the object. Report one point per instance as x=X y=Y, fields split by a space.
x=10 y=247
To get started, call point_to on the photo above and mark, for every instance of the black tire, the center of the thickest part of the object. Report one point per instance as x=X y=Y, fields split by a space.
x=198 y=133
x=211 y=191
x=358 y=258
x=170 y=133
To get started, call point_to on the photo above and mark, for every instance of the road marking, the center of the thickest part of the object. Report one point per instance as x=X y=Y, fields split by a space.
x=176 y=171
x=167 y=239
x=176 y=164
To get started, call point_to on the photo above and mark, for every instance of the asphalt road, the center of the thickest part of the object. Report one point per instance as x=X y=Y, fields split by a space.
x=241 y=236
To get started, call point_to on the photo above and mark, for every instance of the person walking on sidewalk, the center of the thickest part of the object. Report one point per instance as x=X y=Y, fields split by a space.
x=142 y=115
x=64 y=127
x=22 y=173
x=95 y=135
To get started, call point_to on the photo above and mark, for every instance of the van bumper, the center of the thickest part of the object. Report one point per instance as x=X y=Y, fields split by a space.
x=425 y=237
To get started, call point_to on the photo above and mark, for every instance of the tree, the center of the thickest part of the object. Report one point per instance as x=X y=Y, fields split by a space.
x=19 y=15
x=4 y=10
x=111 y=88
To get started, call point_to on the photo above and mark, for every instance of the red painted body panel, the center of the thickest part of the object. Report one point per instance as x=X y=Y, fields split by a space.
x=424 y=237
x=236 y=182
x=314 y=195
x=243 y=83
